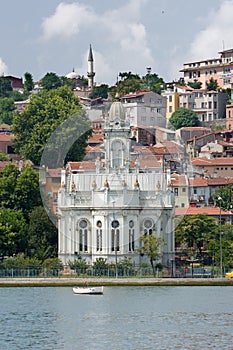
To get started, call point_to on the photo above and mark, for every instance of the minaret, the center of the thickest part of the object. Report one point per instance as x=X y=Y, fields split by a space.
x=90 y=73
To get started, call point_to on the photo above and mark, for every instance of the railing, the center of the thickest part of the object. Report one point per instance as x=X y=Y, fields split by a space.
x=110 y=272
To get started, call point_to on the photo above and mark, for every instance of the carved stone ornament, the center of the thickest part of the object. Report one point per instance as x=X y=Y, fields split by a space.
x=73 y=187
x=136 y=184
x=106 y=184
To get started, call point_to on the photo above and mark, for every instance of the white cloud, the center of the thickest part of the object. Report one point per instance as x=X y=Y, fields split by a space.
x=216 y=36
x=67 y=20
x=118 y=37
x=3 y=67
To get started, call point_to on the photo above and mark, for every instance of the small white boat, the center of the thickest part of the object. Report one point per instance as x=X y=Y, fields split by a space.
x=88 y=290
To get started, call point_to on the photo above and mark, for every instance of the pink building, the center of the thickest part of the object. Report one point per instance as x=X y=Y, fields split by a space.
x=220 y=69
x=229 y=117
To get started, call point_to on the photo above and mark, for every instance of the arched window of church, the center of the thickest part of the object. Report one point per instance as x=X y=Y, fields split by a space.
x=131 y=236
x=148 y=227
x=115 y=236
x=99 y=236
x=83 y=231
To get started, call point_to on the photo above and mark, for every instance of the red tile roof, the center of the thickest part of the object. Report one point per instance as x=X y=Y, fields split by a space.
x=219 y=181
x=213 y=162
x=86 y=165
x=178 y=180
x=205 y=210
x=198 y=182
x=136 y=94
x=6 y=137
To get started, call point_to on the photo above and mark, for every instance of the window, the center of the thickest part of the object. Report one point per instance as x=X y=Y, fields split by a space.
x=83 y=236
x=131 y=236
x=170 y=98
x=183 y=189
x=176 y=191
x=99 y=236
x=209 y=104
x=148 y=227
x=115 y=235
x=170 y=109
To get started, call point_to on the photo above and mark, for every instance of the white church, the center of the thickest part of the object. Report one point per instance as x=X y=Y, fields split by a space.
x=105 y=206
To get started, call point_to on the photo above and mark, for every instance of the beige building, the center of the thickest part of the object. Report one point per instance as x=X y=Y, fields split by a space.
x=209 y=105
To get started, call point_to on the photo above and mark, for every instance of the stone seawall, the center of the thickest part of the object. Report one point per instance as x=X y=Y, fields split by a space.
x=69 y=282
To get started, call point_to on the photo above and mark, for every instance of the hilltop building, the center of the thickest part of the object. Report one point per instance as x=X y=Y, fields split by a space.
x=105 y=206
x=220 y=69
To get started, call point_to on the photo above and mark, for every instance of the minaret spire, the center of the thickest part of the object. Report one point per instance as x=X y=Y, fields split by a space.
x=90 y=73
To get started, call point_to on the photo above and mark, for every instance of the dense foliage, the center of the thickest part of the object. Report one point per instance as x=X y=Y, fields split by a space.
x=47 y=111
x=183 y=117
x=150 y=247
x=24 y=224
x=130 y=82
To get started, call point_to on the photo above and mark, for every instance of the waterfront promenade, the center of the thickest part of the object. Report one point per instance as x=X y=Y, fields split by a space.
x=77 y=281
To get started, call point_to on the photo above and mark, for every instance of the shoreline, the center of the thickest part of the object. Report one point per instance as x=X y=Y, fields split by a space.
x=78 y=281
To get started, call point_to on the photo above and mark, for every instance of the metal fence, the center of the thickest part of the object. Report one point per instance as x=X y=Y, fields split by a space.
x=108 y=272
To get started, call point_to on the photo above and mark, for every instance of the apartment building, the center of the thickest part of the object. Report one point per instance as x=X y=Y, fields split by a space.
x=172 y=97
x=220 y=69
x=145 y=108
x=209 y=105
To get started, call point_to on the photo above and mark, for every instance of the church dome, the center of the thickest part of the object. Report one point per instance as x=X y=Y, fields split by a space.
x=117 y=111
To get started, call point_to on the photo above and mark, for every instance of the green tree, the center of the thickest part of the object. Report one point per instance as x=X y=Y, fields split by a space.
x=193 y=233
x=100 y=266
x=19 y=190
x=27 y=191
x=225 y=193
x=183 y=117
x=212 y=84
x=42 y=235
x=195 y=84
x=153 y=82
x=5 y=87
x=4 y=157
x=28 y=82
x=8 y=180
x=46 y=112
x=150 y=247
x=7 y=108
x=78 y=265
x=13 y=232
x=53 y=264
x=20 y=261
x=99 y=91
x=51 y=81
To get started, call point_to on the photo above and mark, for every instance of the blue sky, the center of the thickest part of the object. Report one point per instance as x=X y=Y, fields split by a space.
x=126 y=35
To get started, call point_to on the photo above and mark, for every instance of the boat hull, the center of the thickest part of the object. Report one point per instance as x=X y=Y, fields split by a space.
x=88 y=290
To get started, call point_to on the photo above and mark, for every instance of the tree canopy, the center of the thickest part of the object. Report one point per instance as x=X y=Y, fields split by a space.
x=150 y=247
x=130 y=82
x=28 y=82
x=195 y=84
x=225 y=193
x=183 y=117
x=194 y=232
x=99 y=91
x=45 y=113
x=212 y=84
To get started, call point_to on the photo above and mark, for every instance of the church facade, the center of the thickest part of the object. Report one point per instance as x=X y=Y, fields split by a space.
x=104 y=207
